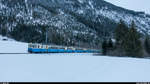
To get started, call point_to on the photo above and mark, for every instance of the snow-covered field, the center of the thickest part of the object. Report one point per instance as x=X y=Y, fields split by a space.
x=12 y=46
x=78 y=67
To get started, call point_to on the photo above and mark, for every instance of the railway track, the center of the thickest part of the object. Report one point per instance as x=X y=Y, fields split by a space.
x=14 y=53
x=29 y=53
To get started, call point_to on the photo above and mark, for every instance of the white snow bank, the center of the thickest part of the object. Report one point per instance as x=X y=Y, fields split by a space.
x=13 y=47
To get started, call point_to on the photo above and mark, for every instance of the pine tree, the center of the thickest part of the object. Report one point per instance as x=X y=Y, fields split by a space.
x=110 y=43
x=4 y=32
x=132 y=44
x=147 y=44
x=26 y=33
x=104 y=47
x=120 y=32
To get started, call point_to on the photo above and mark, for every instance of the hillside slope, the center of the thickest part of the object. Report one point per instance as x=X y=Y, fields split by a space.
x=69 y=22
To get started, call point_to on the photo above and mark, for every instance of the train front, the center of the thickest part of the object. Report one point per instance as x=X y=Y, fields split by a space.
x=30 y=47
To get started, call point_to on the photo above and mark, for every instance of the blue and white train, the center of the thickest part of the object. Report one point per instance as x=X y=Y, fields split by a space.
x=40 y=48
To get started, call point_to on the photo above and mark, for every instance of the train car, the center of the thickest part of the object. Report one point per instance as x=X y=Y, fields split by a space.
x=40 y=48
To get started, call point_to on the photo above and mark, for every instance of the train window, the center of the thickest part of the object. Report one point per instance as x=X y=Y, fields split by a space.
x=48 y=47
x=53 y=47
x=73 y=49
x=70 y=48
x=45 y=46
x=38 y=46
x=33 y=46
x=42 y=46
x=30 y=46
x=66 y=48
x=79 y=49
x=84 y=49
x=61 y=48
x=57 y=48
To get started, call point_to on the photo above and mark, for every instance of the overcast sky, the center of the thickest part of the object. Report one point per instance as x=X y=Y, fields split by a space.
x=137 y=5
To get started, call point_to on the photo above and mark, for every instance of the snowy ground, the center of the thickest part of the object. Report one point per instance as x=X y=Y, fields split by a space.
x=12 y=46
x=68 y=67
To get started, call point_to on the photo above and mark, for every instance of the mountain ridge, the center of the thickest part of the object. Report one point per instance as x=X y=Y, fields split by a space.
x=76 y=21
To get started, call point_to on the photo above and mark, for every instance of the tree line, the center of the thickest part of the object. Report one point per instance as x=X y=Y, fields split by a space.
x=127 y=42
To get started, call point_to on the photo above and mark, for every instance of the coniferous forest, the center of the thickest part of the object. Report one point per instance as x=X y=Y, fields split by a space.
x=128 y=42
